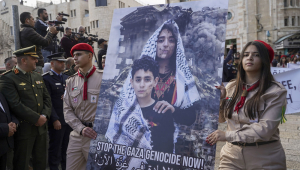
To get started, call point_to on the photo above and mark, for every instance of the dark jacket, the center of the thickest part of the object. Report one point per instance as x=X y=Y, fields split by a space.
x=27 y=98
x=67 y=43
x=5 y=118
x=71 y=71
x=56 y=89
x=101 y=52
x=225 y=68
x=41 y=28
x=29 y=37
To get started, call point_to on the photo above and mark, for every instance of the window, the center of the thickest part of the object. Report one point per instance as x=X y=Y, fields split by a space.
x=11 y=31
x=291 y=3
x=74 y=12
x=285 y=3
x=101 y=2
x=97 y=23
x=286 y=21
x=229 y=15
x=75 y=29
x=50 y=17
x=293 y=20
x=93 y=24
x=121 y=4
x=86 y=13
x=89 y=30
x=71 y=13
x=298 y=21
x=60 y=34
x=297 y=3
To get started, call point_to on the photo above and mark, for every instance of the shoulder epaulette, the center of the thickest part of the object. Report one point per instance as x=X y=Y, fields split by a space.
x=278 y=84
x=6 y=72
x=45 y=73
x=73 y=75
x=66 y=71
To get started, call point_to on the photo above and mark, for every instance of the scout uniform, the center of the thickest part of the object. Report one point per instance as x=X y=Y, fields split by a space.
x=59 y=139
x=80 y=106
x=28 y=98
x=254 y=144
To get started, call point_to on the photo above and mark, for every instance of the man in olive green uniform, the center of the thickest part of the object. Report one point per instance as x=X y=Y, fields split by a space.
x=28 y=99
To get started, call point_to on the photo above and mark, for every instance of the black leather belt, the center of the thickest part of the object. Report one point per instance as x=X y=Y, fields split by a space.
x=87 y=124
x=252 y=144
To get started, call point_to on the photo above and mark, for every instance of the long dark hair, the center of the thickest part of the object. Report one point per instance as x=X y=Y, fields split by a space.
x=174 y=31
x=266 y=78
x=281 y=62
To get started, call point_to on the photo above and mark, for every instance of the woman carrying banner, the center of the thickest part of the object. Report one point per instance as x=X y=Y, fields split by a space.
x=176 y=87
x=253 y=105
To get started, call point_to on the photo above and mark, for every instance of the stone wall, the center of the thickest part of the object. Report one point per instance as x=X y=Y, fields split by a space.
x=290 y=137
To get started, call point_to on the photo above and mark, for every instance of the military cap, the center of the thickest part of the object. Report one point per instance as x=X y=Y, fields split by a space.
x=57 y=56
x=27 y=51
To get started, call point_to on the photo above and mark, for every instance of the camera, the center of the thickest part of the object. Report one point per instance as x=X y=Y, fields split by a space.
x=63 y=14
x=93 y=37
x=56 y=23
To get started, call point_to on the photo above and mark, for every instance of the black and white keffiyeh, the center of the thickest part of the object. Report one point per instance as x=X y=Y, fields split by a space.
x=127 y=125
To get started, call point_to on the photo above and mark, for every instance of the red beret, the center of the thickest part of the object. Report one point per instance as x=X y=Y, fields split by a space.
x=270 y=50
x=81 y=47
x=283 y=56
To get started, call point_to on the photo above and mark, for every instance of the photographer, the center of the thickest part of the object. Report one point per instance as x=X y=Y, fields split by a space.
x=29 y=37
x=81 y=38
x=41 y=28
x=67 y=42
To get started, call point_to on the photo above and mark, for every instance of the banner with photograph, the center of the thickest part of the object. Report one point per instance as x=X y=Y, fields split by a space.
x=158 y=100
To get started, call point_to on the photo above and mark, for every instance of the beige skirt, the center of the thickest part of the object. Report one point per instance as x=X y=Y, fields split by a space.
x=264 y=157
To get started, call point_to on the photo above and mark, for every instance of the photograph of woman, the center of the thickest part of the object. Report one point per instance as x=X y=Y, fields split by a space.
x=157 y=92
x=253 y=105
x=175 y=91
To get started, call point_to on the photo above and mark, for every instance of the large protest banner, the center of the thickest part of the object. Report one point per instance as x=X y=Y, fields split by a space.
x=290 y=80
x=187 y=40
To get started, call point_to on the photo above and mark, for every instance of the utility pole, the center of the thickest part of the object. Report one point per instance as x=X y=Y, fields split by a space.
x=16 y=26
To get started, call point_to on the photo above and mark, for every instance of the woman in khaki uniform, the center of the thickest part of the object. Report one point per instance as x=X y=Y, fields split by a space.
x=253 y=105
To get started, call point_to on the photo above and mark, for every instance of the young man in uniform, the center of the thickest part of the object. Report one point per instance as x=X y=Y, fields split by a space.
x=29 y=100
x=59 y=130
x=80 y=104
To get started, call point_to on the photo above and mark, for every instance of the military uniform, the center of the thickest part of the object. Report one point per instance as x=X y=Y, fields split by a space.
x=71 y=71
x=59 y=139
x=28 y=99
x=80 y=113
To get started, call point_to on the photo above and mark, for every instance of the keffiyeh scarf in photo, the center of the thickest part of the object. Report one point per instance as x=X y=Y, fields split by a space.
x=127 y=125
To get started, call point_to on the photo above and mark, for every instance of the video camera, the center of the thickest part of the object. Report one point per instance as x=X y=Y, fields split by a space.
x=63 y=14
x=57 y=23
x=93 y=37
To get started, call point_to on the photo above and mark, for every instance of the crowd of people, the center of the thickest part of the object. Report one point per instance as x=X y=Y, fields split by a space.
x=49 y=93
x=46 y=95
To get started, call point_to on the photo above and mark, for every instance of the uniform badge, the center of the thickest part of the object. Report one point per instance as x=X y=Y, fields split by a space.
x=58 y=84
x=93 y=98
x=16 y=71
x=38 y=82
x=74 y=88
x=75 y=100
x=22 y=84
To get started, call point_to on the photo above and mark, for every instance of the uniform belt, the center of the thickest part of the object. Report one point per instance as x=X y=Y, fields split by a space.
x=87 y=124
x=252 y=144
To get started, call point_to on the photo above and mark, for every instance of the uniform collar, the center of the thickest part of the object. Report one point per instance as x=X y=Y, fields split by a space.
x=24 y=72
x=87 y=72
x=249 y=85
x=55 y=72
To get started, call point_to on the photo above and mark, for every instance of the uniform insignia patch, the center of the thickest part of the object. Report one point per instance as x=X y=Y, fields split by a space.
x=93 y=98
x=22 y=84
x=75 y=100
x=74 y=88
x=38 y=82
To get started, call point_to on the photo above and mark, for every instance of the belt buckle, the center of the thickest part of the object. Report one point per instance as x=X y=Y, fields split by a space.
x=241 y=144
